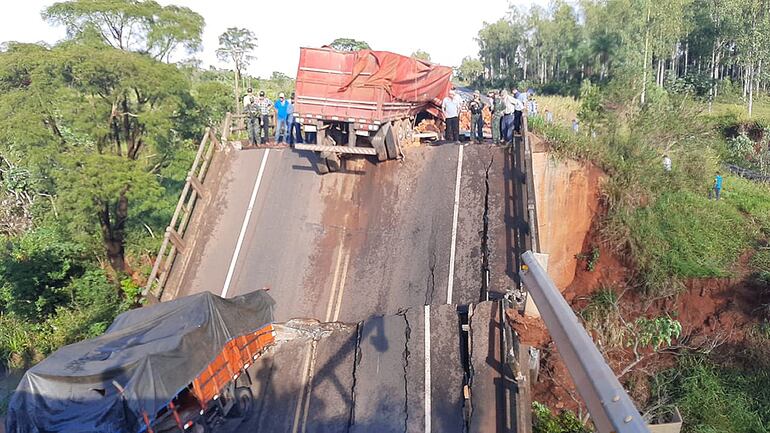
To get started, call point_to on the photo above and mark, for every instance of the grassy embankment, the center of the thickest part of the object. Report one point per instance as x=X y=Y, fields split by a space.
x=668 y=231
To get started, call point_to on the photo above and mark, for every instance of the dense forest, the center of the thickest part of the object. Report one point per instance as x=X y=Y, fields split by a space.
x=702 y=46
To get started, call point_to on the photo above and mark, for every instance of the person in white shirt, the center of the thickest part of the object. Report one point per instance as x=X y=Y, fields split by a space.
x=451 y=109
x=518 y=110
x=509 y=103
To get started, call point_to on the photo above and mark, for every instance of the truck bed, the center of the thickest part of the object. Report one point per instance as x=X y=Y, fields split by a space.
x=366 y=88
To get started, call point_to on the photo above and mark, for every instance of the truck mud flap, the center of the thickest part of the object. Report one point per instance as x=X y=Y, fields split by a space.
x=391 y=142
x=378 y=143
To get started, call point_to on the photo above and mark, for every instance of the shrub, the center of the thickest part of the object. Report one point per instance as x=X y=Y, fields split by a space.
x=716 y=398
x=544 y=421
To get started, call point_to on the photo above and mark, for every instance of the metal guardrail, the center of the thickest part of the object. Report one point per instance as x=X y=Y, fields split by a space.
x=530 y=185
x=173 y=240
x=610 y=407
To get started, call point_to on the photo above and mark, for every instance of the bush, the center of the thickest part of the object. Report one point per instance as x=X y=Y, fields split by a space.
x=35 y=269
x=544 y=421
x=716 y=398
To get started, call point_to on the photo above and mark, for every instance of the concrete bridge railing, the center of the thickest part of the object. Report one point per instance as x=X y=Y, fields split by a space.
x=194 y=189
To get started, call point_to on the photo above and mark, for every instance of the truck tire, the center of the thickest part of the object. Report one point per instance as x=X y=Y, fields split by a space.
x=244 y=402
x=320 y=165
x=333 y=162
x=391 y=141
x=378 y=143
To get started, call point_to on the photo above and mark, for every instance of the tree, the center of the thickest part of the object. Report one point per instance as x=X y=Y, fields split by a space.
x=470 y=71
x=84 y=108
x=348 y=44
x=131 y=25
x=421 y=55
x=237 y=45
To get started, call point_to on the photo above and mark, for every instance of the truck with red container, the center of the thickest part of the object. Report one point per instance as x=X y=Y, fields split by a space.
x=364 y=102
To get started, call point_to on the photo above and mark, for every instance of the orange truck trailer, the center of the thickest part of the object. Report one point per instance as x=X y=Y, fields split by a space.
x=176 y=366
x=364 y=102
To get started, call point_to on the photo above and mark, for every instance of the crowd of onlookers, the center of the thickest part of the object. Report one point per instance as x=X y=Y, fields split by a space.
x=507 y=111
x=260 y=110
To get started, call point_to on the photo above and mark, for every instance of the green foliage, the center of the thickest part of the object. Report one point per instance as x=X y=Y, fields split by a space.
x=141 y=26
x=544 y=421
x=602 y=316
x=715 y=398
x=591 y=258
x=686 y=235
x=655 y=332
x=740 y=149
x=348 y=44
x=470 y=71
x=591 y=109
x=35 y=270
x=237 y=44
x=421 y=55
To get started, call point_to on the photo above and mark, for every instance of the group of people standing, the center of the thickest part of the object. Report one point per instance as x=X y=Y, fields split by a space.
x=507 y=111
x=260 y=109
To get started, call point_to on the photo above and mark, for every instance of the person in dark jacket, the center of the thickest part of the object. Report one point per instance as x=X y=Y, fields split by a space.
x=476 y=106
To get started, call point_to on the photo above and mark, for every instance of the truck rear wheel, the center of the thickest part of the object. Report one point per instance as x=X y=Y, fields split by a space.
x=378 y=143
x=391 y=141
x=333 y=162
x=244 y=402
x=320 y=165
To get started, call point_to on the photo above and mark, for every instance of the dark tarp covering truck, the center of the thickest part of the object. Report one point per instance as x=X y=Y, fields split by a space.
x=145 y=366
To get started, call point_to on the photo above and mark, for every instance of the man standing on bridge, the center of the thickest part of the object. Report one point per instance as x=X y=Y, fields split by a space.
x=264 y=105
x=477 y=120
x=451 y=112
x=252 y=117
x=498 y=108
x=281 y=118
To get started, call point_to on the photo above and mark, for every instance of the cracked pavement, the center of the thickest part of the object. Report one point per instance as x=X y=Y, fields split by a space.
x=369 y=247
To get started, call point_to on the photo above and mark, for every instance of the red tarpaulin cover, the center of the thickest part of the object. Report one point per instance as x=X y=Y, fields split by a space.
x=369 y=85
x=404 y=78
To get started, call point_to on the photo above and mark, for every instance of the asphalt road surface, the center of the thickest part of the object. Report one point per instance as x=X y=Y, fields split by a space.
x=372 y=247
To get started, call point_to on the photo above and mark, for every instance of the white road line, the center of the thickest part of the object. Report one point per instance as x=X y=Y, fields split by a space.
x=342 y=288
x=451 y=282
x=309 y=392
x=332 y=297
x=427 y=371
x=300 y=403
x=245 y=225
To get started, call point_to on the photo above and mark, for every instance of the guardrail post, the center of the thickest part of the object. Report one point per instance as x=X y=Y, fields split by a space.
x=176 y=240
x=197 y=186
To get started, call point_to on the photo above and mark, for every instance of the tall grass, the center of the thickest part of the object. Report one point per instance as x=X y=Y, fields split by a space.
x=662 y=222
x=716 y=398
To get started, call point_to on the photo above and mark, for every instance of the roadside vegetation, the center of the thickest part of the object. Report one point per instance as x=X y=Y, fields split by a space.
x=687 y=79
x=97 y=136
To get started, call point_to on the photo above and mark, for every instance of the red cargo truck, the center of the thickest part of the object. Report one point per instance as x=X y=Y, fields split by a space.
x=364 y=102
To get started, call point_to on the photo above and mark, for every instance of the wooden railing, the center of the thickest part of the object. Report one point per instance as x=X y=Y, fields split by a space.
x=174 y=239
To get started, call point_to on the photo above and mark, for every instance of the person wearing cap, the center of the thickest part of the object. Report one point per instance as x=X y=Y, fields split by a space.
x=264 y=104
x=281 y=118
x=252 y=116
x=477 y=120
